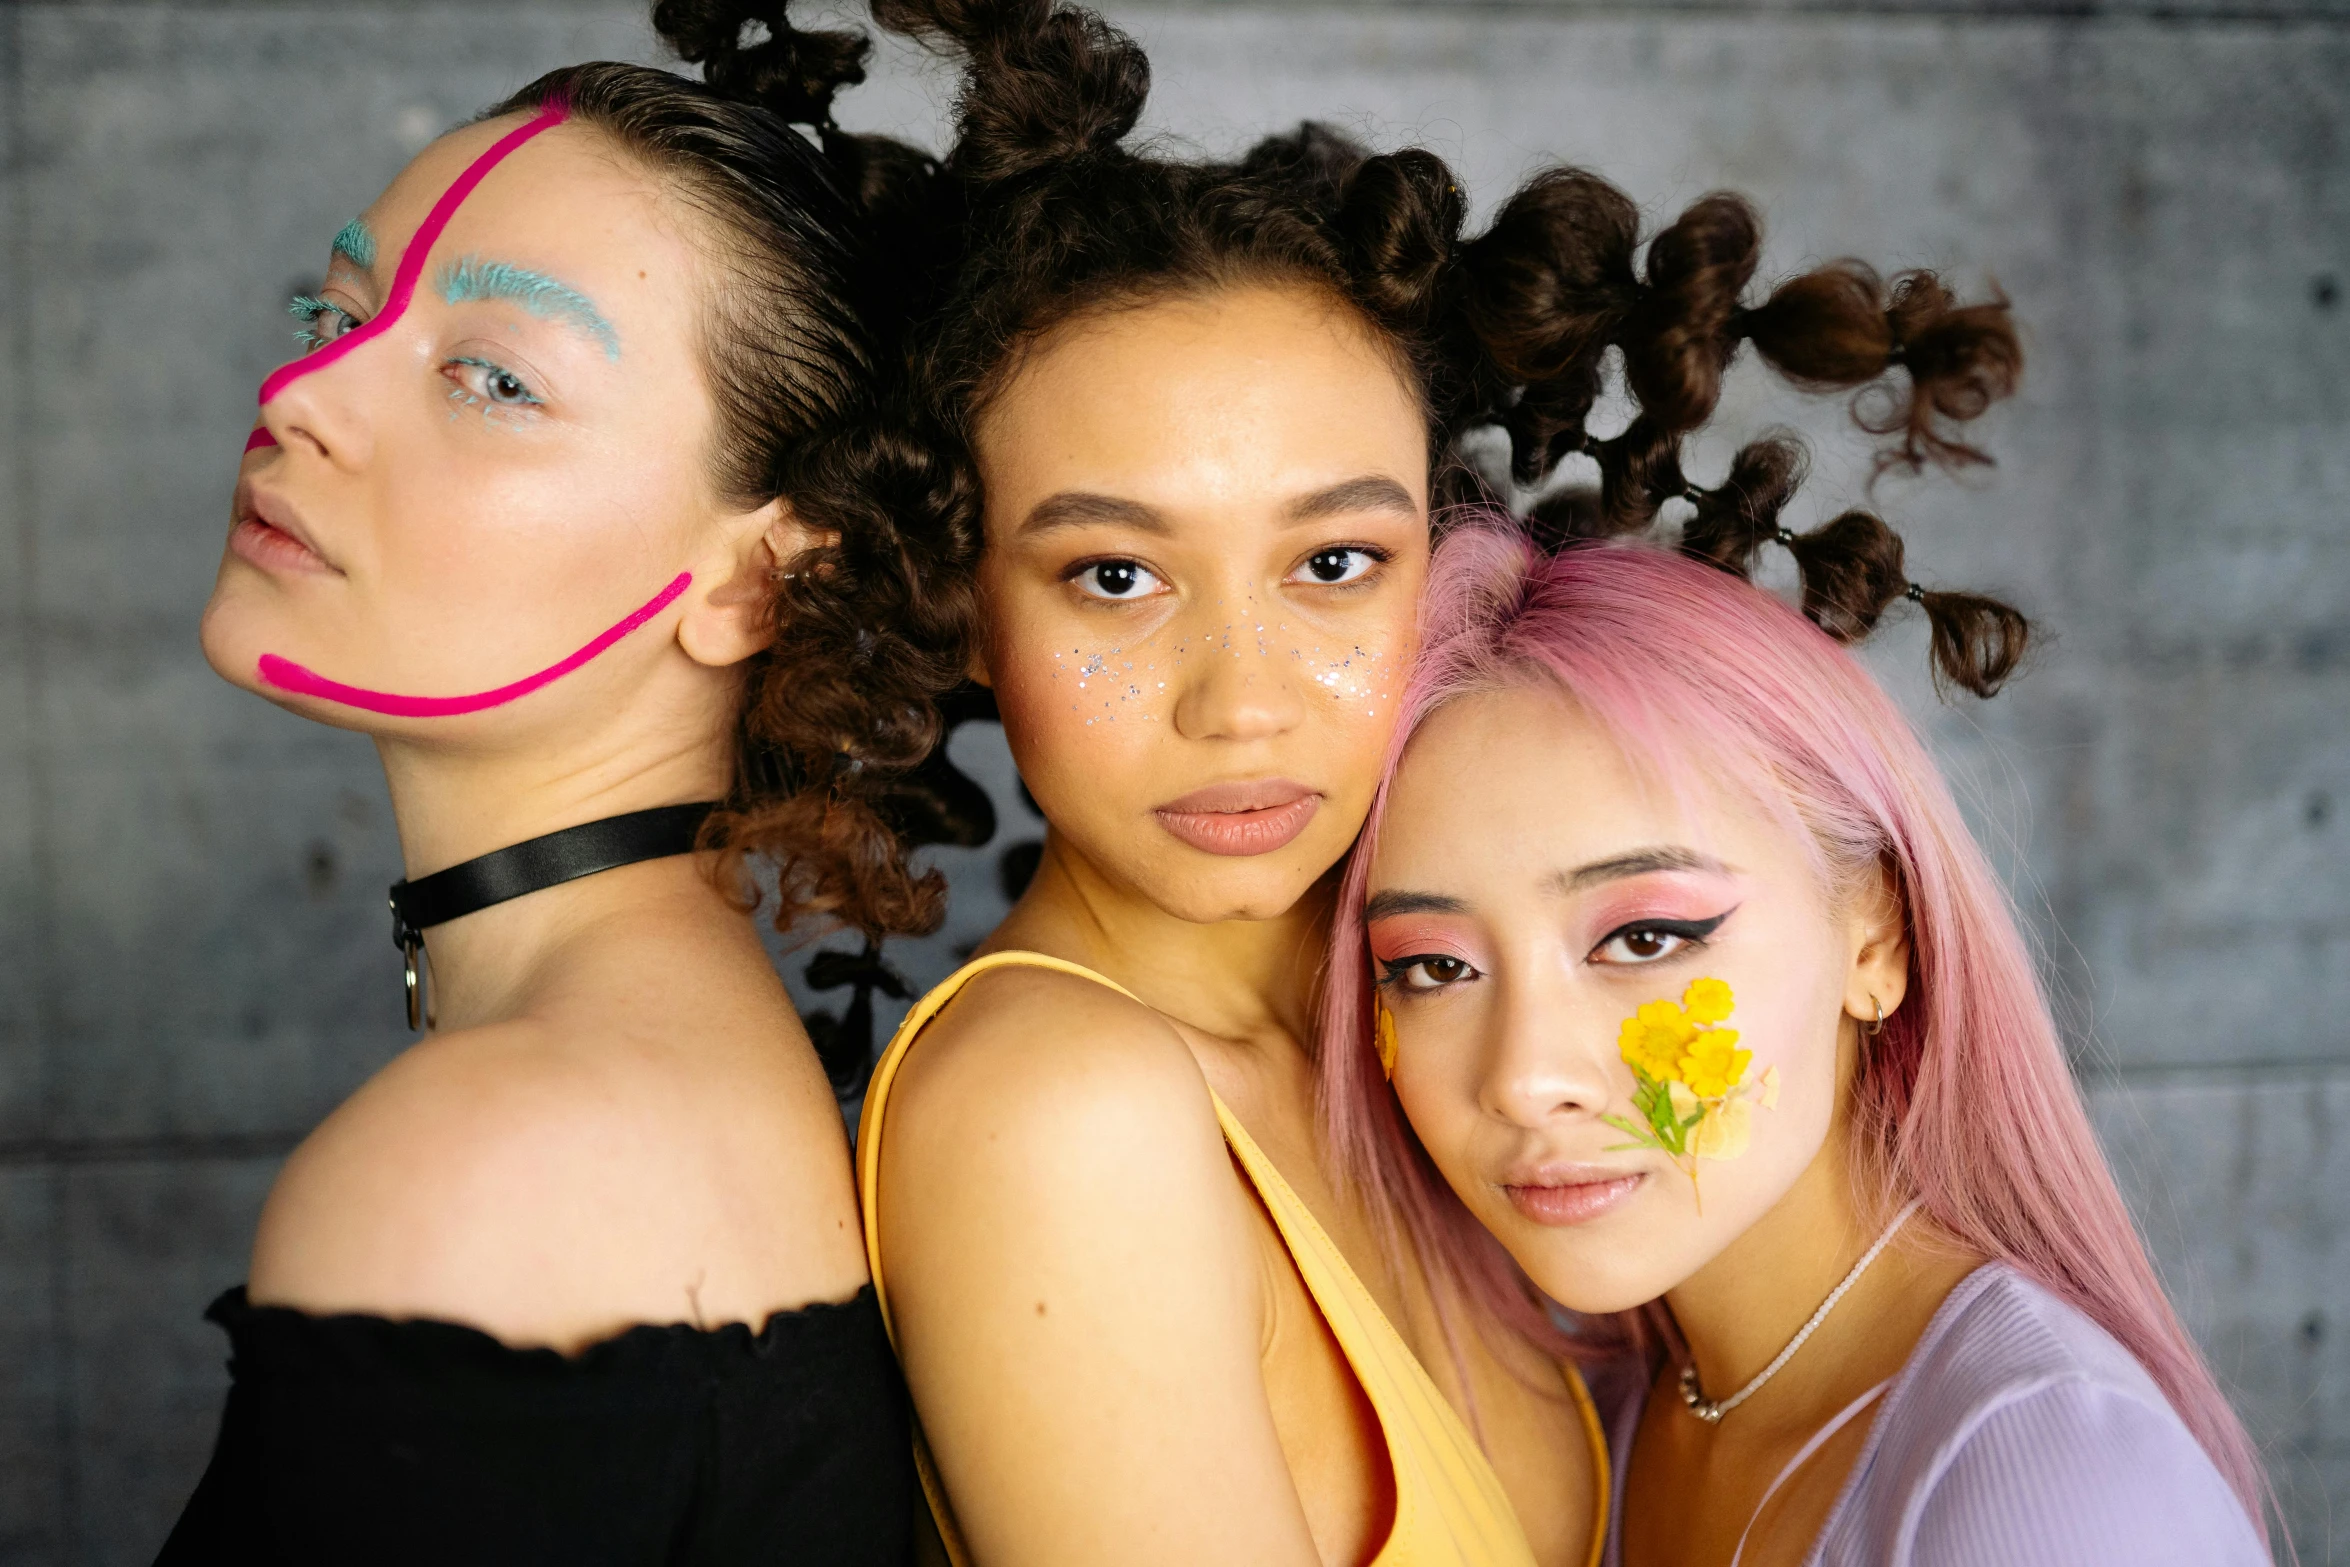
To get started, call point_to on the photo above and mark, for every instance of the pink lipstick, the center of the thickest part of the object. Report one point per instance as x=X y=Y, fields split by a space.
x=1252 y=817
x=1565 y=1194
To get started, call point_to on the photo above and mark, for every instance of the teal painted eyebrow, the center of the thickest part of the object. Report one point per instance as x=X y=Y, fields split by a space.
x=356 y=243
x=470 y=278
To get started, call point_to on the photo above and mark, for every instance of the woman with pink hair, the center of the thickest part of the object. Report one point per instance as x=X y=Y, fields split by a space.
x=1670 y=944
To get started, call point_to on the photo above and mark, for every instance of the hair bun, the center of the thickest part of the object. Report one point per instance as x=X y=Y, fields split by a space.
x=1544 y=291
x=1551 y=280
x=1402 y=217
x=1978 y=642
x=1842 y=326
x=1683 y=333
x=1044 y=84
x=794 y=74
x=1961 y=359
x=1734 y=521
x=1314 y=162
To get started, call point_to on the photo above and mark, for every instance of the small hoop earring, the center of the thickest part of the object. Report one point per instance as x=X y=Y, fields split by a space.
x=1878 y=1027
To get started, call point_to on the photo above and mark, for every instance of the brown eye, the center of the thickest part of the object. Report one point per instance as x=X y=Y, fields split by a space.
x=1641 y=944
x=1653 y=940
x=1429 y=973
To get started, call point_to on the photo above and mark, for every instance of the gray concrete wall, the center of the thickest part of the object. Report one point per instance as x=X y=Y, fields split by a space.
x=193 y=964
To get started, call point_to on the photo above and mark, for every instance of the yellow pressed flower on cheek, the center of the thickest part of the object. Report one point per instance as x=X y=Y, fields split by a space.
x=1706 y=1109
x=1714 y=1064
x=1653 y=1038
x=1707 y=1000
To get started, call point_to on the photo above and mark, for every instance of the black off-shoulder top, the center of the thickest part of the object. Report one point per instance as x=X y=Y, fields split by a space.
x=355 y=1440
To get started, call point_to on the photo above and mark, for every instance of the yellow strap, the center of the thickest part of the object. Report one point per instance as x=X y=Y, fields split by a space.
x=1603 y=1468
x=1437 y=1465
x=885 y=1073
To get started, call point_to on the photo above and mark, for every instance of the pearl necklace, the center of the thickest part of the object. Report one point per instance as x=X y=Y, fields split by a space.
x=1710 y=1412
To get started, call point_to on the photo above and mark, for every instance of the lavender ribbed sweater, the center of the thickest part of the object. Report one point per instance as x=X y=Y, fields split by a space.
x=2018 y=1434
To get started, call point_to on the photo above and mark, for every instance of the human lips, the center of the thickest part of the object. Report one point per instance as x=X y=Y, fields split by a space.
x=1559 y=1195
x=269 y=533
x=1250 y=816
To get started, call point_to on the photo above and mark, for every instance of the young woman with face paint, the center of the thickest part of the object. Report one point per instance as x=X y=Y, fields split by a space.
x=548 y=508
x=1210 y=411
x=1700 y=998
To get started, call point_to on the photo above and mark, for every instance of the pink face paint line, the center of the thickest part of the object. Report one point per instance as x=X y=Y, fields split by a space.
x=260 y=437
x=411 y=263
x=286 y=675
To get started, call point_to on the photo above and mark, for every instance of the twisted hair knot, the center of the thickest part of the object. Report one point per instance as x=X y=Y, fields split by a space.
x=791 y=74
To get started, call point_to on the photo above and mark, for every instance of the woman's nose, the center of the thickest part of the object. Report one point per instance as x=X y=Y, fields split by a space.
x=325 y=404
x=1239 y=686
x=1547 y=1058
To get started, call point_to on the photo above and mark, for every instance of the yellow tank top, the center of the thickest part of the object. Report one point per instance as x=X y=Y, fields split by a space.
x=1450 y=1510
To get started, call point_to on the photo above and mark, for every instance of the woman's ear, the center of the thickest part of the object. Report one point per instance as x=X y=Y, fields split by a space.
x=734 y=617
x=1877 y=925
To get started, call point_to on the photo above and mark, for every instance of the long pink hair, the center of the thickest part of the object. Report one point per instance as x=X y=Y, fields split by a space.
x=1964 y=1100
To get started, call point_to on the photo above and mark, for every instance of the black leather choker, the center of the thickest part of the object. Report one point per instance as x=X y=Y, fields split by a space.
x=533 y=865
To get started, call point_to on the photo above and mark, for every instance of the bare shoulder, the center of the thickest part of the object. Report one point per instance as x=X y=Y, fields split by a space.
x=1060 y=1116
x=1076 y=1287
x=556 y=1180
x=1068 y=1071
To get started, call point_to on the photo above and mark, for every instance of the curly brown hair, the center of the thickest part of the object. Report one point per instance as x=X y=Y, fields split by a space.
x=801 y=343
x=1509 y=329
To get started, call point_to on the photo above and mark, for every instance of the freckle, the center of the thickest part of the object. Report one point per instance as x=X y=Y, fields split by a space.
x=1040 y=1308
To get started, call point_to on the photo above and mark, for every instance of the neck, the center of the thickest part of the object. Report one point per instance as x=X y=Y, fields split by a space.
x=1740 y=1309
x=1242 y=980
x=453 y=805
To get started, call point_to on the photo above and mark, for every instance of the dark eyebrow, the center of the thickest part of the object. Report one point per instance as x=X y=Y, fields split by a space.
x=1388 y=904
x=1640 y=862
x=1076 y=508
x=1370 y=492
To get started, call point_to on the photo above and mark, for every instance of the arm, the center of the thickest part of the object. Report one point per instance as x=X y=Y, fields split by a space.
x=2073 y=1474
x=1075 y=1288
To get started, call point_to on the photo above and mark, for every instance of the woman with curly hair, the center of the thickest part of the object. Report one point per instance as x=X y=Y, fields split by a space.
x=1211 y=415
x=552 y=508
